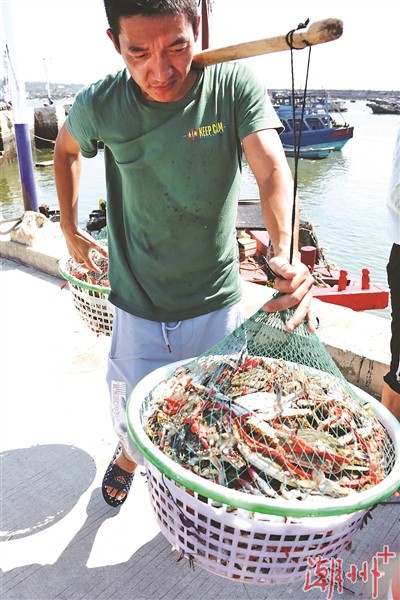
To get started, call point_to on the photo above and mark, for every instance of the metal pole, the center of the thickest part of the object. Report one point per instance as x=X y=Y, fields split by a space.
x=20 y=113
x=205 y=24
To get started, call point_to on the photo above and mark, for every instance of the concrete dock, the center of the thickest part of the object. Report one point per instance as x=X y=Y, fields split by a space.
x=59 y=538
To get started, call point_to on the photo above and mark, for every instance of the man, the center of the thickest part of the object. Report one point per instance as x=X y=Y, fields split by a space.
x=173 y=137
x=391 y=386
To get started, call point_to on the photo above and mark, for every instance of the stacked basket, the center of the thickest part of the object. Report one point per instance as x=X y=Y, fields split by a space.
x=90 y=291
x=241 y=536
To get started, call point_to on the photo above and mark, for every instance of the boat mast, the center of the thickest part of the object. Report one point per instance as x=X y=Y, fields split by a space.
x=5 y=94
x=47 y=82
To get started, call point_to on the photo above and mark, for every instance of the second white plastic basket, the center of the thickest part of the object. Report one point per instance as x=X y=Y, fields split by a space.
x=91 y=301
x=94 y=309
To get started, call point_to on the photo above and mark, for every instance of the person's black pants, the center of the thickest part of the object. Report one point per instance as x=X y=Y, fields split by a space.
x=392 y=378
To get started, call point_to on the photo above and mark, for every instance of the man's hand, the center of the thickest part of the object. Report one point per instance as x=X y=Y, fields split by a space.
x=80 y=245
x=296 y=283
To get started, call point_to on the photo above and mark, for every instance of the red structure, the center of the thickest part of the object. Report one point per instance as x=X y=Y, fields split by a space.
x=335 y=286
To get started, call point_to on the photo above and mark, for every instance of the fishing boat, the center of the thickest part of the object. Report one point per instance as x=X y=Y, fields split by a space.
x=384 y=107
x=313 y=126
x=307 y=152
x=97 y=218
x=333 y=285
x=336 y=104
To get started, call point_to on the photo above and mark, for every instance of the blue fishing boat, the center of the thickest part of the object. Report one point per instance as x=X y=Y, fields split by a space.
x=308 y=152
x=312 y=126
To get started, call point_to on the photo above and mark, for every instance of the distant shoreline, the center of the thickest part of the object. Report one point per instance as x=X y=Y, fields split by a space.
x=38 y=89
x=346 y=94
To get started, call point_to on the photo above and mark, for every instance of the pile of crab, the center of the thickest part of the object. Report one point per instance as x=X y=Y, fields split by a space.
x=268 y=427
x=81 y=273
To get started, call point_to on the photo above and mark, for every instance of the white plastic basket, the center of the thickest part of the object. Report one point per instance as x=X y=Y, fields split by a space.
x=91 y=302
x=243 y=537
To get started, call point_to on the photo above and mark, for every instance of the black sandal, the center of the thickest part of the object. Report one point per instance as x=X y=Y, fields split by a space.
x=116 y=478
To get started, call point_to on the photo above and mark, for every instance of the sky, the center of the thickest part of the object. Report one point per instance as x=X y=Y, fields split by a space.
x=66 y=42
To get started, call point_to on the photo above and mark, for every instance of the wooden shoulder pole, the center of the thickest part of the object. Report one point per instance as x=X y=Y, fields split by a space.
x=317 y=33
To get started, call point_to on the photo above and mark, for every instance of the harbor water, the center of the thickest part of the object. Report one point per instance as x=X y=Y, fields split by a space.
x=343 y=196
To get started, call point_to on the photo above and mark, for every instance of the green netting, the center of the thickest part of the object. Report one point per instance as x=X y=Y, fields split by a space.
x=264 y=334
x=269 y=413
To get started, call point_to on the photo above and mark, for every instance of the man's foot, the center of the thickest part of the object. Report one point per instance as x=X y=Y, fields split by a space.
x=118 y=478
x=391 y=400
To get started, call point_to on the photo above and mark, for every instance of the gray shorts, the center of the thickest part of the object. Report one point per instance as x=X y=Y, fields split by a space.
x=139 y=346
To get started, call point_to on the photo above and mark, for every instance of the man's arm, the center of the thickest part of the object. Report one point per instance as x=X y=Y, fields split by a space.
x=67 y=170
x=266 y=158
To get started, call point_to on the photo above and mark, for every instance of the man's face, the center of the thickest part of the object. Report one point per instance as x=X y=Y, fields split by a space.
x=158 y=53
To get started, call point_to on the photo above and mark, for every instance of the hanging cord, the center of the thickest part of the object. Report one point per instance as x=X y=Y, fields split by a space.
x=165 y=328
x=296 y=140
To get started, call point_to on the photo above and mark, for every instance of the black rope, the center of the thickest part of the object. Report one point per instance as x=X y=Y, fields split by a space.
x=296 y=140
x=16 y=220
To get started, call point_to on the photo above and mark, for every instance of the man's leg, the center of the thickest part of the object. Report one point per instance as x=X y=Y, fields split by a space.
x=138 y=347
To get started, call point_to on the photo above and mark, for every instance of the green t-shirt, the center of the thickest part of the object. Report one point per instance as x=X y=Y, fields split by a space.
x=173 y=175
